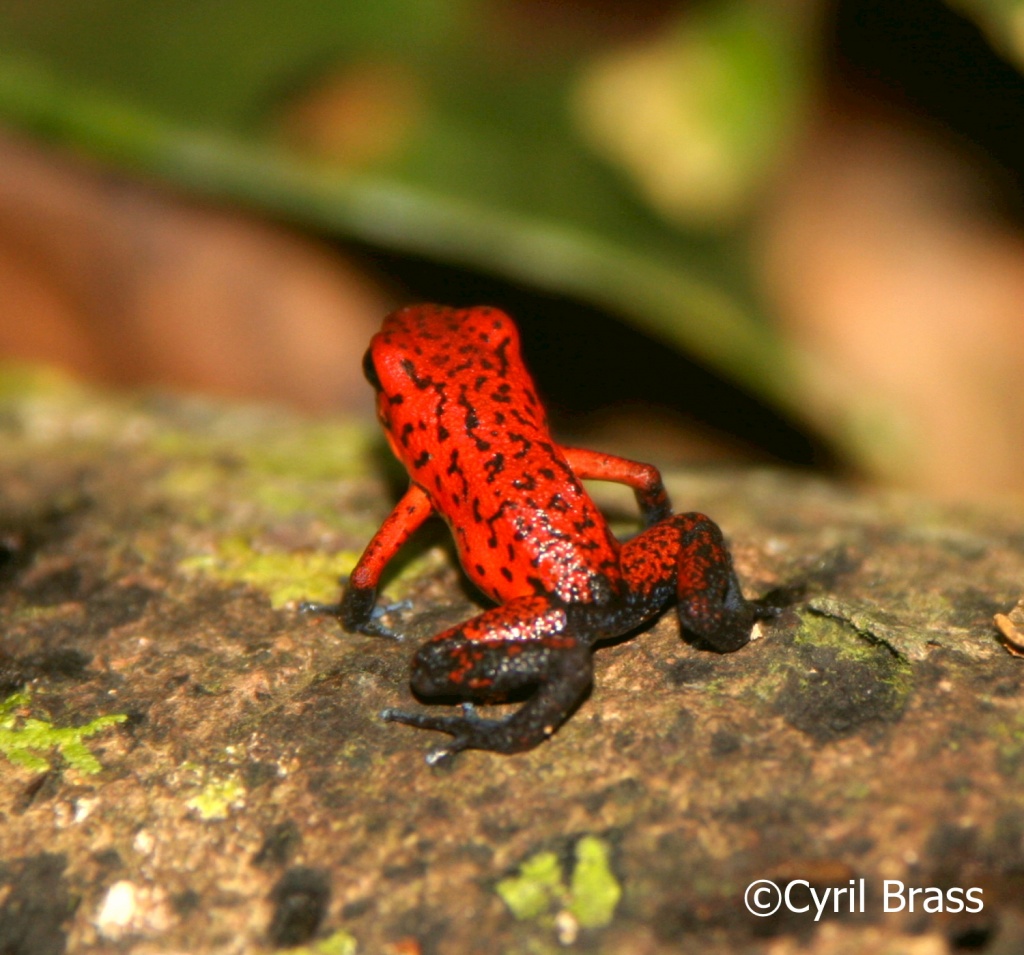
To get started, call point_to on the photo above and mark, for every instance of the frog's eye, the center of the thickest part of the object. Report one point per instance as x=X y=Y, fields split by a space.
x=370 y=370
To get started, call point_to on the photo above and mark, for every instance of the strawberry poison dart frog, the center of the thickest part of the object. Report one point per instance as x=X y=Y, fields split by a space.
x=460 y=412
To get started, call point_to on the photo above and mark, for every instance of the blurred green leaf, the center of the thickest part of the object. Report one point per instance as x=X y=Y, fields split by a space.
x=481 y=165
x=701 y=114
x=1002 y=21
x=215 y=63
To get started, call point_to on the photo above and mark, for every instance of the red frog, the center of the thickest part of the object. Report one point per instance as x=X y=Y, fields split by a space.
x=460 y=412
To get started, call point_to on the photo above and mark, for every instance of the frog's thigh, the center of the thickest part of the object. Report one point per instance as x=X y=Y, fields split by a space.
x=501 y=650
x=686 y=549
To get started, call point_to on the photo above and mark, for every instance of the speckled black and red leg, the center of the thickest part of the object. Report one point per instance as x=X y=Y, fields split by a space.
x=356 y=609
x=644 y=479
x=527 y=642
x=685 y=558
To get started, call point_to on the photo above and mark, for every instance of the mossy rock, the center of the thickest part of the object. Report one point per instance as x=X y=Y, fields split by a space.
x=151 y=554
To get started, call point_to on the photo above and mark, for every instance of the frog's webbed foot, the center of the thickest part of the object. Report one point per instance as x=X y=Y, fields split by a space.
x=372 y=627
x=468 y=731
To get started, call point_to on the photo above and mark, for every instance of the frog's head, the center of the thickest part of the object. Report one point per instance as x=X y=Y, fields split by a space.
x=425 y=350
x=427 y=364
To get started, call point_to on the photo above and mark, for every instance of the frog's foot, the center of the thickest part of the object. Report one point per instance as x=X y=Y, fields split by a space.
x=468 y=731
x=372 y=627
x=316 y=609
x=773 y=603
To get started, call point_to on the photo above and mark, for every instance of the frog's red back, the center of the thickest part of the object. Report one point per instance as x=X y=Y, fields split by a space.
x=461 y=413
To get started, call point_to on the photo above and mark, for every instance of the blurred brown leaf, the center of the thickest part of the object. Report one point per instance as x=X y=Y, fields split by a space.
x=356 y=115
x=129 y=284
x=886 y=265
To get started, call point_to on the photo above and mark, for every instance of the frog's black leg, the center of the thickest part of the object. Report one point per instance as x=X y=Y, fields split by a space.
x=686 y=556
x=644 y=479
x=524 y=643
x=357 y=607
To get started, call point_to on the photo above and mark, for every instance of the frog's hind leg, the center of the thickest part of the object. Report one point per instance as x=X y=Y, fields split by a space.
x=689 y=551
x=521 y=644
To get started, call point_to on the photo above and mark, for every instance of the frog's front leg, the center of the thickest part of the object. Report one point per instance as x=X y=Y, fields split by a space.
x=356 y=608
x=644 y=479
x=685 y=557
x=527 y=642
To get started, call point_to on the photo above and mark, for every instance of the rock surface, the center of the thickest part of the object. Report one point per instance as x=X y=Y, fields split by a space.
x=151 y=555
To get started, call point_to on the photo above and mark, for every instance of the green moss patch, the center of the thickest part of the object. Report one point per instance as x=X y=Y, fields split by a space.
x=26 y=741
x=284 y=577
x=338 y=943
x=841 y=682
x=536 y=890
x=594 y=892
x=540 y=890
x=218 y=796
x=312 y=450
